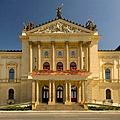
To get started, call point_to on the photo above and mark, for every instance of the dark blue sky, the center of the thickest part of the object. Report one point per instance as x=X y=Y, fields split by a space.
x=105 y=13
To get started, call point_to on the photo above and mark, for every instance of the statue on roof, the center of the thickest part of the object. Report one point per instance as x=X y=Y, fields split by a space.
x=89 y=25
x=29 y=26
x=59 y=12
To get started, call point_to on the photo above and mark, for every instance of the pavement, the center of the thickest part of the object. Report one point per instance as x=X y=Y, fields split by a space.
x=63 y=111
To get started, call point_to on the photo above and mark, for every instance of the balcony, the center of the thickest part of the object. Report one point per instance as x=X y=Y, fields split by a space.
x=59 y=72
x=59 y=75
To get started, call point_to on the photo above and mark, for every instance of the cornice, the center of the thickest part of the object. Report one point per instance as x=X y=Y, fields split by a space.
x=96 y=37
x=23 y=37
x=61 y=34
x=108 y=52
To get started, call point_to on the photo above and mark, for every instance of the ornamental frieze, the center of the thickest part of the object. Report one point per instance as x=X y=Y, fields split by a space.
x=59 y=27
x=108 y=57
x=11 y=57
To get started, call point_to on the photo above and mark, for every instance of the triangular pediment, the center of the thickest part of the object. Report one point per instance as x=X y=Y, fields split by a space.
x=59 y=26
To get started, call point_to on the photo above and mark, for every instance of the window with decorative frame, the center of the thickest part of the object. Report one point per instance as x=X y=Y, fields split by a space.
x=59 y=54
x=11 y=71
x=46 y=54
x=108 y=72
x=72 y=54
x=11 y=74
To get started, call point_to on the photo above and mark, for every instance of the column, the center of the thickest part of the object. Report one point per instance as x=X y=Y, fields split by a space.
x=78 y=66
x=81 y=58
x=37 y=92
x=53 y=55
x=79 y=92
x=69 y=91
x=89 y=56
x=118 y=70
x=33 y=94
x=85 y=96
x=30 y=57
x=49 y=92
x=39 y=55
x=82 y=92
x=86 y=59
x=53 y=91
x=67 y=55
x=66 y=92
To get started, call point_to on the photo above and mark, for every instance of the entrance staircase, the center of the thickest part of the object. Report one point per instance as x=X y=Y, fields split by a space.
x=59 y=106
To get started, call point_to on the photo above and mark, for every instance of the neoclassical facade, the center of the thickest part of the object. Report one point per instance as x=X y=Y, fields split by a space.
x=60 y=63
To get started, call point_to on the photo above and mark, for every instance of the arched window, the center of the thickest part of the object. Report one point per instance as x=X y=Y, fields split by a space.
x=72 y=54
x=107 y=73
x=46 y=65
x=11 y=73
x=11 y=94
x=108 y=94
x=46 y=54
x=59 y=66
x=73 y=66
x=59 y=54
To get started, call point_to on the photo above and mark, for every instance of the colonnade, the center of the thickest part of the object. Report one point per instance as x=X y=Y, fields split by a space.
x=80 y=64
x=52 y=92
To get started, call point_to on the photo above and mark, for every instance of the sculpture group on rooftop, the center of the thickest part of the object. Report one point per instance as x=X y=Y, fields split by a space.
x=89 y=25
x=29 y=26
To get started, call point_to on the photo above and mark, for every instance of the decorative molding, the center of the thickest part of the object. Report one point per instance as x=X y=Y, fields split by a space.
x=11 y=63
x=108 y=57
x=60 y=37
x=10 y=57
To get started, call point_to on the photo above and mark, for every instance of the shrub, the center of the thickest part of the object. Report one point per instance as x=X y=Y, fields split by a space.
x=102 y=108
x=11 y=108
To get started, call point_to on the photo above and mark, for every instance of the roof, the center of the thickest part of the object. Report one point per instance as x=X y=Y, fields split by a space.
x=117 y=49
x=10 y=50
x=89 y=24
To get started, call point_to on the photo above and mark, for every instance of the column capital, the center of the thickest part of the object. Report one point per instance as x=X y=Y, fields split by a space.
x=66 y=42
x=52 y=42
x=80 y=42
x=30 y=42
x=39 y=42
x=89 y=42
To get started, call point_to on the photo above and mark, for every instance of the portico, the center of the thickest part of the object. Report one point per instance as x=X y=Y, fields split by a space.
x=52 y=89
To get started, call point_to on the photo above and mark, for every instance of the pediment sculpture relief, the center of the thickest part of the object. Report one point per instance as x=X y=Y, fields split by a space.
x=59 y=27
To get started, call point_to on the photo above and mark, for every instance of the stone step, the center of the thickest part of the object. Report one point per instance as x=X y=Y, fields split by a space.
x=42 y=107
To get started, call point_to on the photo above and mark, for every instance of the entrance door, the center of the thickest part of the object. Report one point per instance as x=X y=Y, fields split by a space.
x=73 y=94
x=60 y=94
x=45 y=94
